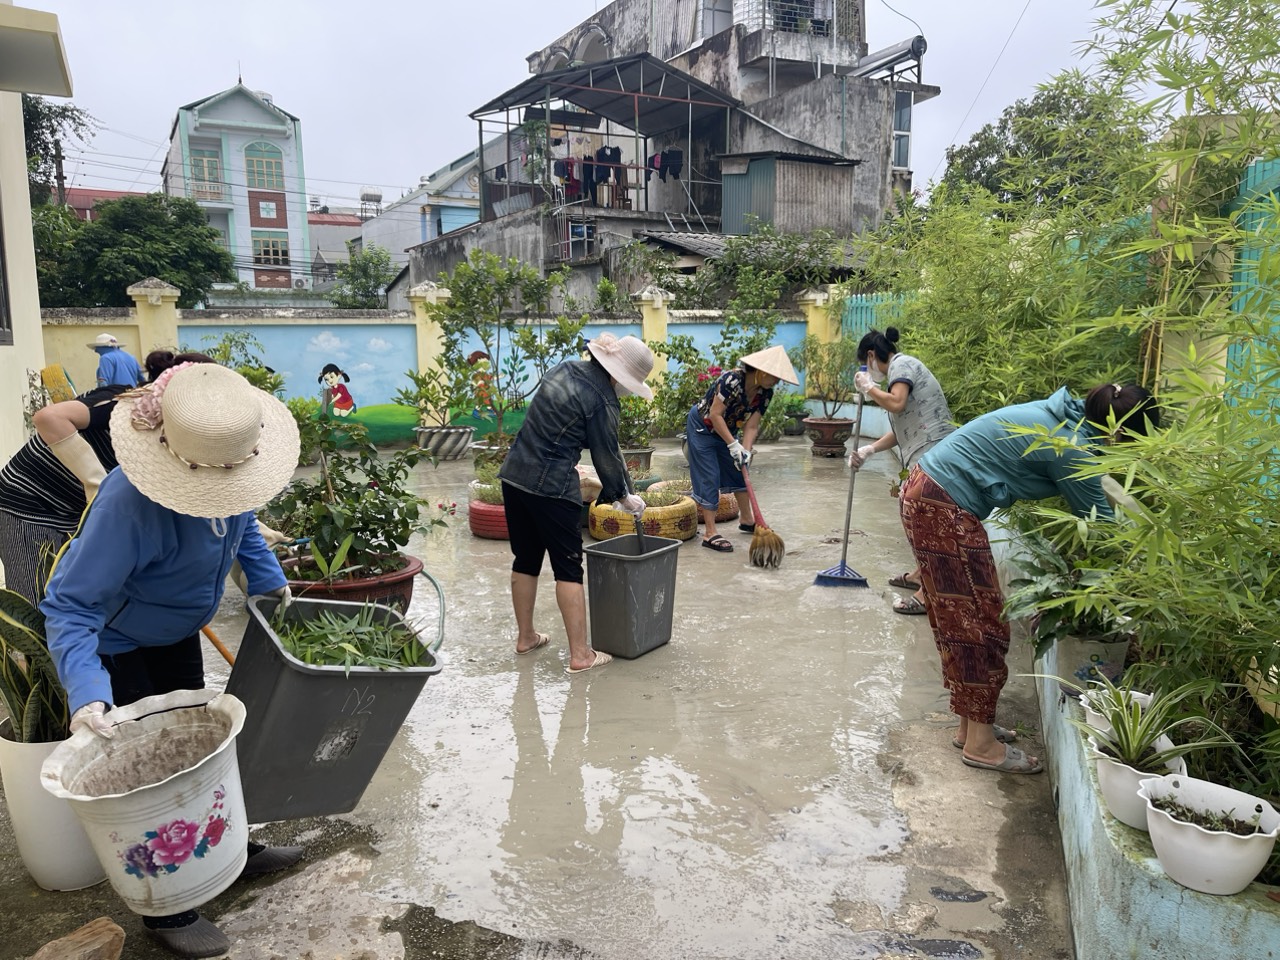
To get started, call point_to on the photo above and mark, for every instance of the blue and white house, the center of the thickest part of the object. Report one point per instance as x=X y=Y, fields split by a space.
x=239 y=156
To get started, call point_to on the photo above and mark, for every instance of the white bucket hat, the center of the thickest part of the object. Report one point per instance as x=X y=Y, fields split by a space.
x=773 y=361
x=219 y=447
x=103 y=340
x=628 y=361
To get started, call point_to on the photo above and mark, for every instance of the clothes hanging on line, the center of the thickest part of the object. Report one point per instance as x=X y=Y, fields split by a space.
x=670 y=161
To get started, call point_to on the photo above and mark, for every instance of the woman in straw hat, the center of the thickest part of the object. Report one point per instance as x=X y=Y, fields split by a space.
x=734 y=403
x=576 y=408
x=199 y=450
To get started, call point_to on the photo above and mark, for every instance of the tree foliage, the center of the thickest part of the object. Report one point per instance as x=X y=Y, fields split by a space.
x=43 y=123
x=363 y=280
x=93 y=264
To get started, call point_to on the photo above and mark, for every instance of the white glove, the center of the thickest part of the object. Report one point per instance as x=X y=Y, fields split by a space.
x=863 y=381
x=739 y=454
x=861 y=456
x=632 y=503
x=90 y=717
x=285 y=596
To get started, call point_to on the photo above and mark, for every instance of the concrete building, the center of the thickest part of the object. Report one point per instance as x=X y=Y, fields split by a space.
x=330 y=235
x=82 y=200
x=443 y=201
x=32 y=60
x=239 y=156
x=658 y=115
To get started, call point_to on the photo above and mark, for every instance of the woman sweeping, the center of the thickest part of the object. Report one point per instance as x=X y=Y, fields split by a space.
x=918 y=418
x=981 y=467
x=734 y=403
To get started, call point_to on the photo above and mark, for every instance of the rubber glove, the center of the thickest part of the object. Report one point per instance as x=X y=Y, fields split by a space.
x=861 y=456
x=739 y=454
x=77 y=456
x=864 y=382
x=632 y=503
x=284 y=594
x=90 y=717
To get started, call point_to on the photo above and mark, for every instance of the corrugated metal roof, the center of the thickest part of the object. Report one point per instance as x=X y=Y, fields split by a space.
x=708 y=245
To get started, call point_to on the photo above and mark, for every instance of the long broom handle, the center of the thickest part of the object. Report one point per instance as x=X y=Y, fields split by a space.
x=755 y=507
x=219 y=645
x=853 y=475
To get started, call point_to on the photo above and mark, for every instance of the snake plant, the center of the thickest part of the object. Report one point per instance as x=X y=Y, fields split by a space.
x=29 y=685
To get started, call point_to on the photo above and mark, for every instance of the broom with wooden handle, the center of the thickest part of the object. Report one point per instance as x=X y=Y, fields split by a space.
x=767 y=548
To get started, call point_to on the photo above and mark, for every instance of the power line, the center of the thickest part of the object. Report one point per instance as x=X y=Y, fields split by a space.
x=919 y=29
x=984 y=83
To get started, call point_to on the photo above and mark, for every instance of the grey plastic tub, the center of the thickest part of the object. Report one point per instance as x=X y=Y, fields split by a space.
x=631 y=594
x=314 y=735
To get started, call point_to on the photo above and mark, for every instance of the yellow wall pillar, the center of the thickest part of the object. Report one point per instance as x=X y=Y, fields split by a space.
x=423 y=298
x=652 y=302
x=821 y=321
x=156 y=312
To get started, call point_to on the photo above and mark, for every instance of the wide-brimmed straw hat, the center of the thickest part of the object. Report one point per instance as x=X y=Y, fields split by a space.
x=628 y=361
x=219 y=447
x=103 y=340
x=773 y=361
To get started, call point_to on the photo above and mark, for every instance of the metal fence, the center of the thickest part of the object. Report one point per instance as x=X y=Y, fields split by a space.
x=819 y=18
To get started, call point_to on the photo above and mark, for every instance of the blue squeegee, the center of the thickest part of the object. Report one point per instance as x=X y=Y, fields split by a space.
x=844 y=575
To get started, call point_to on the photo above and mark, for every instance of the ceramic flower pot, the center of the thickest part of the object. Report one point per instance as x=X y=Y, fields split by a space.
x=394 y=589
x=1119 y=784
x=1211 y=861
x=828 y=436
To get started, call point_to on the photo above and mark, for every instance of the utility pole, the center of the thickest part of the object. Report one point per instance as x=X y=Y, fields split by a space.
x=58 y=174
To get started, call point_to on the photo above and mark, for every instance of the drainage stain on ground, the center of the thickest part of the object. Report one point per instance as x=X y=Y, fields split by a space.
x=428 y=937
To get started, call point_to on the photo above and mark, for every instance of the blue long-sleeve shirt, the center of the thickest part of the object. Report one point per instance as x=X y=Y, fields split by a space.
x=140 y=575
x=984 y=466
x=119 y=367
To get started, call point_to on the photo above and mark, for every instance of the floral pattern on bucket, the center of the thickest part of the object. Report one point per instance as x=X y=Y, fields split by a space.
x=172 y=844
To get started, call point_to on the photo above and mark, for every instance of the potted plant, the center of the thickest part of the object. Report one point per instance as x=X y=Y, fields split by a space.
x=355 y=517
x=792 y=409
x=353 y=669
x=1206 y=836
x=828 y=369
x=51 y=842
x=635 y=424
x=436 y=392
x=486 y=517
x=1139 y=743
x=726 y=510
x=667 y=514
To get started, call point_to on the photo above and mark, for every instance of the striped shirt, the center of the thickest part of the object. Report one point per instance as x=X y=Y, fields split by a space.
x=36 y=487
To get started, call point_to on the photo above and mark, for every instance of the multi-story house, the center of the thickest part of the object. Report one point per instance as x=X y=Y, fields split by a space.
x=239 y=156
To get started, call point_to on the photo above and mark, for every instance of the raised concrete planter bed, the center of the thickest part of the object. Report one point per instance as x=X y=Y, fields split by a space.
x=1122 y=904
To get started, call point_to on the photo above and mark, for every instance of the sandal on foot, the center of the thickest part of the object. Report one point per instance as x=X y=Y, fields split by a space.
x=1003 y=734
x=718 y=543
x=600 y=660
x=198 y=939
x=903 y=581
x=540 y=641
x=910 y=606
x=1015 y=761
x=747 y=527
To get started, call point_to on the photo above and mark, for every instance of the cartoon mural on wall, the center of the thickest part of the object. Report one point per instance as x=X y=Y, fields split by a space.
x=335 y=395
x=481 y=382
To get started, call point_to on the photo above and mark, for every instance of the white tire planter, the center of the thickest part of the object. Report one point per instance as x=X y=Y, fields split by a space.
x=1119 y=784
x=1211 y=861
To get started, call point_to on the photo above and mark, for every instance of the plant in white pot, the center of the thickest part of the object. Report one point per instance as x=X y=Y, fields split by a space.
x=1140 y=741
x=1206 y=836
x=53 y=846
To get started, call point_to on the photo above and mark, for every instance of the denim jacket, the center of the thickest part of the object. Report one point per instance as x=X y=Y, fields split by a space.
x=575 y=409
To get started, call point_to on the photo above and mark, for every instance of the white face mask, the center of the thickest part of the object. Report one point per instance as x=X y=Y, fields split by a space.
x=875 y=371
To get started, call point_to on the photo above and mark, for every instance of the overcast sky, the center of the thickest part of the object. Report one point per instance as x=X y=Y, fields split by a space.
x=384 y=87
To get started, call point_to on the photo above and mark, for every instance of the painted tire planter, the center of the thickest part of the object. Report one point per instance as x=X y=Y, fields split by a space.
x=679 y=521
x=828 y=436
x=488 y=521
x=162 y=806
x=1211 y=861
x=445 y=443
x=1119 y=784
x=51 y=842
x=393 y=589
x=726 y=510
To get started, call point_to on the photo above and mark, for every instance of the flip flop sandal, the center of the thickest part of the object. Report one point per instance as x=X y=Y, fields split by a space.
x=902 y=583
x=600 y=660
x=1003 y=734
x=1015 y=761
x=542 y=641
x=719 y=544
x=747 y=527
x=910 y=606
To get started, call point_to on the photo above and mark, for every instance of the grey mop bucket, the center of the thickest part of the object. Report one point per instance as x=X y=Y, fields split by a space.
x=631 y=585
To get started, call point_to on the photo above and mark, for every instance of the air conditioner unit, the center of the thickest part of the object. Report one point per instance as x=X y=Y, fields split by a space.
x=299 y=284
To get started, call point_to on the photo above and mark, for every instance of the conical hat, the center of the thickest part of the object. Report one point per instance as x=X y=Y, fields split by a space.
x=774 y=362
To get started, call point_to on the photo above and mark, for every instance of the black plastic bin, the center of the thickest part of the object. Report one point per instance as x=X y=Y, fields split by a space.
x=314 y=735
x=631 y=594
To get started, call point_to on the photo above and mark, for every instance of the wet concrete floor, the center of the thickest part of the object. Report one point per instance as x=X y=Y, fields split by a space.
x=776 y=782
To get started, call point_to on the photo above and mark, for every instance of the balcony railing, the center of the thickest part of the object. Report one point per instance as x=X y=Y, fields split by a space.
x=207 y=190
x=818 y=18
